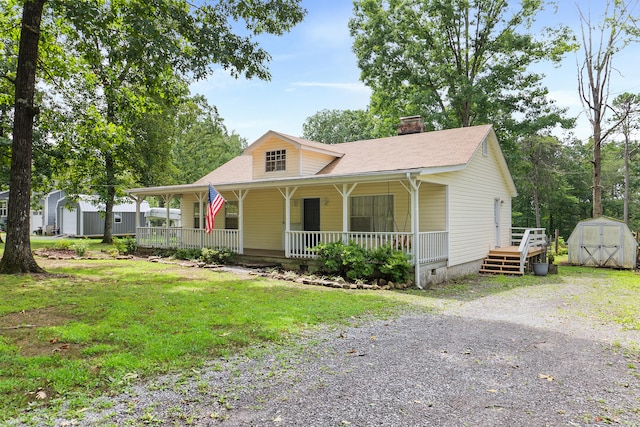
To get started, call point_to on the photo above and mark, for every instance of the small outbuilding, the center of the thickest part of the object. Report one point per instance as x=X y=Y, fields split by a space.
x=84 y=217
x=603 y=242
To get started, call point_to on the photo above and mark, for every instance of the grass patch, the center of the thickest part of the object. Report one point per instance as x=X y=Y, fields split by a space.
x=96 y=325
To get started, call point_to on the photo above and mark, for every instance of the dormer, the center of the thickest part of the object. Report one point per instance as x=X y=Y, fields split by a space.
x=277 y=155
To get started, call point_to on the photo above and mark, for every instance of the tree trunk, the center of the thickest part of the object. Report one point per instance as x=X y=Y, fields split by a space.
x=597 y=171
x=111 y=196
x=626 y=177
x=17 y=256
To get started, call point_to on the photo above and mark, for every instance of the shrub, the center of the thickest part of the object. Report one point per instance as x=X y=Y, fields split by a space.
x=217 y=256
x=80 y=247
x=356 y=263
x=63 y=244
x=126 y=245
x=187 y=254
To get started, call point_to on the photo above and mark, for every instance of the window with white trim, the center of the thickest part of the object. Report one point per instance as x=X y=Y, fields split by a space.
x=231 y=215
x=196 y=214
x=117 y=219
x=372 y=213
x=275 y=160
x=3 y=208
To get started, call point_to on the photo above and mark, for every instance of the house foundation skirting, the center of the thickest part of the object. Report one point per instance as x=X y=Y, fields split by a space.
x=431 y=274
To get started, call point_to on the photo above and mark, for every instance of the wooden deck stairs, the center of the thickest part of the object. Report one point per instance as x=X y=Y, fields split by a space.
x=506 y=261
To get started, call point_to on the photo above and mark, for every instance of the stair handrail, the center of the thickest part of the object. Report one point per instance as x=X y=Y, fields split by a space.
x=532 y=237
x=523 y=248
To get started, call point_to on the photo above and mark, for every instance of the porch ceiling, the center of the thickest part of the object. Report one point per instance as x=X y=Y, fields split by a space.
x=177 y=190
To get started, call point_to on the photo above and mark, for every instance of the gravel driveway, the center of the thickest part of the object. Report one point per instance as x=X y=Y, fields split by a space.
x=518 y=358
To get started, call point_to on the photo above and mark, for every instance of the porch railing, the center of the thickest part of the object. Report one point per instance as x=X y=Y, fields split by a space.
x=528 y=239
x=187 y=238
x=432 y=246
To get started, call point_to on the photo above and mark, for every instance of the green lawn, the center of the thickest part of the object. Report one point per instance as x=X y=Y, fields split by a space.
x=93 y=326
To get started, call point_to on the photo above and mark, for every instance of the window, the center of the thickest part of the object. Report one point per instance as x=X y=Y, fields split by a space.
x=3 y=208
x=372 y=213
x=196 y=214
x=485 y=147
x=231 y=215
x=117 y=219
x=276 y=160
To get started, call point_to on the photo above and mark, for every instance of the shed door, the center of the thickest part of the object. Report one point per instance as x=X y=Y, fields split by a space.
x=69 y=222
x=601 y=245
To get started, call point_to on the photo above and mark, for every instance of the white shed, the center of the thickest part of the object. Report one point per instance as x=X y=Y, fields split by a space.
x=602 y=242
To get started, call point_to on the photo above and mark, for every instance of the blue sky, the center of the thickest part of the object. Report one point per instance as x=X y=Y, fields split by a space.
x=313 y=68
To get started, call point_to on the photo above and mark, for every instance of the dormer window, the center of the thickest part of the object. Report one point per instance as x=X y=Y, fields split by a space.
x=275 y=160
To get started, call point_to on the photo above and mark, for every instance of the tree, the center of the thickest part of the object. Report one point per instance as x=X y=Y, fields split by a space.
x=125 y=46
x=336 y=126
x=133 y=48
x=626 y=109
x=458 y=63
x=599 y=45
x=201 y=141
x=17 y=257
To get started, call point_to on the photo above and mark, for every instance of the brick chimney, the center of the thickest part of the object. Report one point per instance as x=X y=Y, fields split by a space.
x=411 y=124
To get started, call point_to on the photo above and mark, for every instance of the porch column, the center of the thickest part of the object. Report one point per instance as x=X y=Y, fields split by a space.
x=240 y=195
x=345 y=192
x=414 y=187
x=200 y=198
x=287 y=194
x=138 y=200
x=167 y=201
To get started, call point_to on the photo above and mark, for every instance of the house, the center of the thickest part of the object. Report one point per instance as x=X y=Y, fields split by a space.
x=35 y=217
x=442 y=197
x=84 y=216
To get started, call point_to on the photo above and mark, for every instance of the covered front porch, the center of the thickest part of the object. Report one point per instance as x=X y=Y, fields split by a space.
x=432 y=246
x=405 y=213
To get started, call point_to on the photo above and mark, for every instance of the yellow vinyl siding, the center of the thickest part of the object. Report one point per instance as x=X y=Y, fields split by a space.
x=313 y=162
x=433 y=207
x=292 y=161
x=472 y=192
x=263 y=220
x=330 y=206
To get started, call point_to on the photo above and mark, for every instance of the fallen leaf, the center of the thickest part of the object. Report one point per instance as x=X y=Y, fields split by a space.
x=351 y=351
x=277 y=419
x=64 y=346
x=225 y=334
x=373 y=338
x=41 y=395
x=53 y=340
x=545 y=377
x=491 y=390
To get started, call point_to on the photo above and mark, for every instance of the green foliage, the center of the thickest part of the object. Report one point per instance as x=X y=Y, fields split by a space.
x=424 y=57
x=217 y=256
x=80 y=247
x=63 y=244
x=336 y=126
x=356 y=263
x=187 y=254
x=126 y=245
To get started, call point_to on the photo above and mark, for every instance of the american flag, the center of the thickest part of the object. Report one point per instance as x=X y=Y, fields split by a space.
x=215 y=204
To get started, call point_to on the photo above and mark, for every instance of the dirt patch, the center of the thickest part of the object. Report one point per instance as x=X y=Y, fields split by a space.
x=24 y=329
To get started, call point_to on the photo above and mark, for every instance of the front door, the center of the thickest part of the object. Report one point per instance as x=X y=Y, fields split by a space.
x=311 y=220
